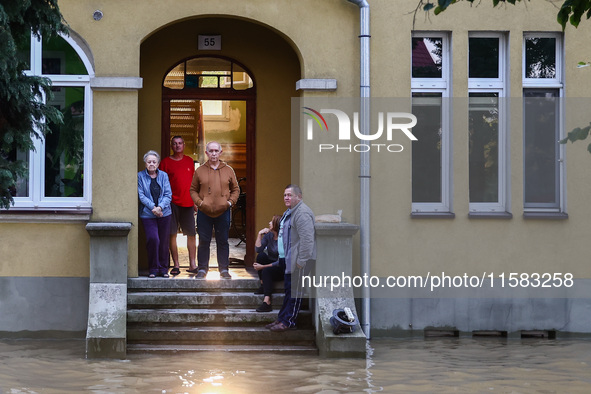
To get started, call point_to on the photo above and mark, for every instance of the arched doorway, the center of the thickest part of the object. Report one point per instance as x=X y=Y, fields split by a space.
x=212 y=98
x=274 y=67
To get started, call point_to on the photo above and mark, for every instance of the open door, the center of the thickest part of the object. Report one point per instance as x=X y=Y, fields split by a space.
x=213 y=99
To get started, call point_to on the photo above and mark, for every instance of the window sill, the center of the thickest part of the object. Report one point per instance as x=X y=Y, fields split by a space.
x=490 y=215
x=45 y=216
x=432 y=215
x=546 y=215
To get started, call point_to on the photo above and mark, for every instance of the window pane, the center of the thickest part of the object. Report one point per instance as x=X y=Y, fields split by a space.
x=21 y=189
x=426 y=152
x=541 y=149
x=64 y=146
x=540 y=57
x=205 y=65
x=175 y=79
x=60 y=58
x=483 y=57
x=484 y=147
x=426 y=57
x=241 y=78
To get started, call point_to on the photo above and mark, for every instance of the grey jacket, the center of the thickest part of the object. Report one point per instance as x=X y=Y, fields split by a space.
x=299 y=237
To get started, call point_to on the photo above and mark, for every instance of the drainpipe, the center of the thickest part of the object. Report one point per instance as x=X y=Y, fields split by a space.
x=364 y=170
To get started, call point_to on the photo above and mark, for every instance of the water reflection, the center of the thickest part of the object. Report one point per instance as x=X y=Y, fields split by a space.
x=410 y=365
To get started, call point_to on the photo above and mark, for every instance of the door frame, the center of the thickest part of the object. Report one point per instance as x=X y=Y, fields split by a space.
x=249 y=96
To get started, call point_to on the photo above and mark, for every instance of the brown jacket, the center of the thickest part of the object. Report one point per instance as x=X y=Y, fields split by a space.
x=212 y=189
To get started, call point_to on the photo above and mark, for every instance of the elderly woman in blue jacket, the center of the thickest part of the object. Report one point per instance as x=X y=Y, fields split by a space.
x=155 y=195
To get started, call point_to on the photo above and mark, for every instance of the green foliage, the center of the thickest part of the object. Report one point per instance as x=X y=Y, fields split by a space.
x=577 y=134
x=23 y=116
x=571 y=11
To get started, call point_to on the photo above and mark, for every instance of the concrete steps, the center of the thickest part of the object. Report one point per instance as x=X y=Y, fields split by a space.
x=197 y=299
x=189 y=315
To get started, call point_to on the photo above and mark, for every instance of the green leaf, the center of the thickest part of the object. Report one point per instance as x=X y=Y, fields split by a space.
x=562 y=16
x=577 y=134
x=589 y=148
x=428 y=6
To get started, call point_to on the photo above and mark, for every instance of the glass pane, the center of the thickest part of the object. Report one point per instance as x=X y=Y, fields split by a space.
x=540 y=57
x=21 y=188
x=483 y=127
x=426 y=152
x=64 y=146
x=208 y=81
x=175 y=79
x=241 y=78
x=208 y=65
x=60 y=58
x=24 y=51
x=541 y=149
x=426 y=57
x=483 y=57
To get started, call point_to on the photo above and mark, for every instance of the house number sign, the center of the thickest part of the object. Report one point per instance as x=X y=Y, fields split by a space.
x=209 y=43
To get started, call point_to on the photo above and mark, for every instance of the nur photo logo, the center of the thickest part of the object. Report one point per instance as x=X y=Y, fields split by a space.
x=390 y=122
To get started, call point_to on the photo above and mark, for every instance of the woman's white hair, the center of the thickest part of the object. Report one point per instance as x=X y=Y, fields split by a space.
x=152 y=153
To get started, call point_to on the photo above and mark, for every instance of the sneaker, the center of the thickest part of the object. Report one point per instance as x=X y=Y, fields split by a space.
x=201 y=275
x=225 y=275
x=264 y=307
x=261 y=290
x=165 y=275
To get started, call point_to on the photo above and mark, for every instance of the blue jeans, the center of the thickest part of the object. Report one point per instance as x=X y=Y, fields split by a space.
x=157 y=240
x=205 y=226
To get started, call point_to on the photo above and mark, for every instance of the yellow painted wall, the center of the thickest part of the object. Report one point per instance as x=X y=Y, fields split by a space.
x=49 y=249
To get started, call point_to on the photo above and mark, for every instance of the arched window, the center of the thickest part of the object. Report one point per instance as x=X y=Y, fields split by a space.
x=59 y=168
x=208 y=73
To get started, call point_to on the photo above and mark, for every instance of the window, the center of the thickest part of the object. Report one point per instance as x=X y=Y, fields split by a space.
x=487 y=125
x=208 y=73
x=431 y=154
x=543 y=156
x=59 y=169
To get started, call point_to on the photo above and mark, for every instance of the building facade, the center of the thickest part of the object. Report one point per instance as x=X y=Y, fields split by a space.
x=486 y=190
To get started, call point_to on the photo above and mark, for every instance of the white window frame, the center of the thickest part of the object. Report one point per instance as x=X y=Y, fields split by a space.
x=36 y=181
x=500 y=86
x=547 y=83
x=439 y=85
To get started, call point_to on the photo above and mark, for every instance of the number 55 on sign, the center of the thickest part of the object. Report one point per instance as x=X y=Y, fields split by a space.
x=209 y=43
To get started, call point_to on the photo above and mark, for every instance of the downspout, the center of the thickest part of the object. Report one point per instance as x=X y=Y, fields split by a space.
x=364 y=162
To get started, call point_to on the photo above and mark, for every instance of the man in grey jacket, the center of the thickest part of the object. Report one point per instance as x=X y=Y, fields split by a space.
x=297 y=249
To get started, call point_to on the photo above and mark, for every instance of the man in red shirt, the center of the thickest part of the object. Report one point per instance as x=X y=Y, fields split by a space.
x=180 y=170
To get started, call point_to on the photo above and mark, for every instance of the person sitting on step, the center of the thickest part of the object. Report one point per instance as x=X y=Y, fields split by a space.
x=268 y=273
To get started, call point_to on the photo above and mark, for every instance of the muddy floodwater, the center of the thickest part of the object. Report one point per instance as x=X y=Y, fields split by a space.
x=463 y=365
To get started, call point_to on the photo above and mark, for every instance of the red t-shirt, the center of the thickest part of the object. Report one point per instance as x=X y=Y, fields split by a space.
x=180 y=174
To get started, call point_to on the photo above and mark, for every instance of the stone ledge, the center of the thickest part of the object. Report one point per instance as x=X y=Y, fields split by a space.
x=316 y=84
x=108 y=229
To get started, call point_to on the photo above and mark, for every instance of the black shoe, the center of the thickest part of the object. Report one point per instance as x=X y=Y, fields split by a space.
x=260 y=290
x=225 y=275
x=264 y=307
x=201 y=275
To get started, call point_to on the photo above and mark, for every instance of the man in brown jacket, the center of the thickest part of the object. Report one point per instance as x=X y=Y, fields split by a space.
x=214 y=190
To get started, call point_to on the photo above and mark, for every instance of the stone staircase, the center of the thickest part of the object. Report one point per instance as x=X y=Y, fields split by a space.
x=187 y=315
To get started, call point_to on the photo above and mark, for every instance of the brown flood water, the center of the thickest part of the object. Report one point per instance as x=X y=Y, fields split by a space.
x=462 y=365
